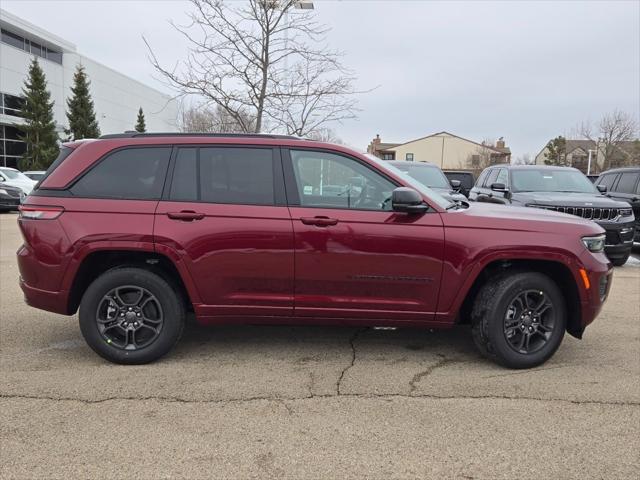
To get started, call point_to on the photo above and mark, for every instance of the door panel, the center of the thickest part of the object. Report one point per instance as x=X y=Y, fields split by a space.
x=368 y=264
x=240 y=256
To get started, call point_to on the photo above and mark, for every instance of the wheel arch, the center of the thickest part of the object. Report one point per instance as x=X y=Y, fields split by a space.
x=98 y=261
x=557 y=271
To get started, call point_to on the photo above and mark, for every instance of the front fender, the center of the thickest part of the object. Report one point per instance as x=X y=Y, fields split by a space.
x=459 y=276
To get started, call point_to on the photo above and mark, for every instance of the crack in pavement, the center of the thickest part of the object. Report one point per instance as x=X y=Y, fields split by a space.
x=417 y=378
x=283 y=400
x=352 y=340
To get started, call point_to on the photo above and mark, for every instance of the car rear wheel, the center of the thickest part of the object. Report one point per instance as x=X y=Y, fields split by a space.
x=131 y=316
x=519 y=319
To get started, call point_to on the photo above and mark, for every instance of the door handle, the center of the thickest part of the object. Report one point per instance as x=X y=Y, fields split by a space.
x=319 y=221
x=185 y=215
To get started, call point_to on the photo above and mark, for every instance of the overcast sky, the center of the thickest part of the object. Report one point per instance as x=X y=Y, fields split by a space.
x=527 y=71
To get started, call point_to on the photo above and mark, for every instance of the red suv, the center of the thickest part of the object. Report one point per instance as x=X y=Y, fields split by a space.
x=136 y=230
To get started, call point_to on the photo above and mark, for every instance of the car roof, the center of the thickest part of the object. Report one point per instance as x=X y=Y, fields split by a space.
x=532 y=167
x=622 y=170
x=404 y=162
x=187 y=134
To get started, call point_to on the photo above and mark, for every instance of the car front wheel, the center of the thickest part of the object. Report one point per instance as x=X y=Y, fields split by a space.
x=131 y=316
x=519 y=319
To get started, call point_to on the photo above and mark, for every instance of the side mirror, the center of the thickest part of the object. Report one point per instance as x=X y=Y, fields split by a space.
x=404 y=199
x=499 y=187
x=602 y=188
x=455 y=184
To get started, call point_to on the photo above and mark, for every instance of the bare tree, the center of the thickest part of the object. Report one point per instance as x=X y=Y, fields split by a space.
x=612 y=131
x=482 y=157
x=254 y=60
x=325 y=135
x=205 y=119
x=524 y=159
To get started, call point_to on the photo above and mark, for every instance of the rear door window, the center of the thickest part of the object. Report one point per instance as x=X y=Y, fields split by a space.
x=627 y=182
x=228 y=175
x=130 y=173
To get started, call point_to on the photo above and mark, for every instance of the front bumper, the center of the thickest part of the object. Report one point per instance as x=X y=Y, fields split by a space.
x=600 y=275
x=619 y=238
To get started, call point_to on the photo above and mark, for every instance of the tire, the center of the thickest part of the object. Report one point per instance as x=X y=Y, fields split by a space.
x=159 y=320
x=620 y=261
x=496 y=310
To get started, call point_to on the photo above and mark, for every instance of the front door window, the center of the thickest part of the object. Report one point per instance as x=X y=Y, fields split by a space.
x=333 y=181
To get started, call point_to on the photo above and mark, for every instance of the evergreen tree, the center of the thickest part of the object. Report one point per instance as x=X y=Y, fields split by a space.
x=141 y=126
x=80 y=113
x=39 y=131
x=556 y=153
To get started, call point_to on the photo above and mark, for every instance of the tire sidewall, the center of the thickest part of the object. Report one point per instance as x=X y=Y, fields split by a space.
x=495 y=326
x=168 y=298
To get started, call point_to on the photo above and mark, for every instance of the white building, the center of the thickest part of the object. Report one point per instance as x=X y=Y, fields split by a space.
x=116 y=97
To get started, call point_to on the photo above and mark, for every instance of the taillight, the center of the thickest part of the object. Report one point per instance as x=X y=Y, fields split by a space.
x=35 y=212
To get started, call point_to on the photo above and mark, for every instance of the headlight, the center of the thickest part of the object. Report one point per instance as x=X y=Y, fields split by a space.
x=594 y=244
x=626 y=212
x=3 y=191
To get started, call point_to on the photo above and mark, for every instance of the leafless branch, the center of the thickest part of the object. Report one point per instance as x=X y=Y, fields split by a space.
x=262 y=66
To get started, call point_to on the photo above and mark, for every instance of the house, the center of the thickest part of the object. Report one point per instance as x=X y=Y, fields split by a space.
x=448 y=151
x=577 y=155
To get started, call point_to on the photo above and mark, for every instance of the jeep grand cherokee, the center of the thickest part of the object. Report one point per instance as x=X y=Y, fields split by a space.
x=136 y=230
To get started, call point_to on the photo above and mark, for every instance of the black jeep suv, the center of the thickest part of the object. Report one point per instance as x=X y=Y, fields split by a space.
x=624 y=184
x=561 y=189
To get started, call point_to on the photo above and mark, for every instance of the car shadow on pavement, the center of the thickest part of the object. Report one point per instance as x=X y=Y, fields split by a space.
x=452 y=343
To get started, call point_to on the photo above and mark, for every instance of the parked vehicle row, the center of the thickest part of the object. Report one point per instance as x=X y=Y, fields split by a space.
x=623 y=184
x=15 y=178
x=613 y=203
x=561 y=189
x=10 y=197
x=431 y=176
x=138 y=229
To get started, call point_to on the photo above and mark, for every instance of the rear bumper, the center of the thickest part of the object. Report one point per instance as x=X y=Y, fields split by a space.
x=44 y=299
x=38 y=280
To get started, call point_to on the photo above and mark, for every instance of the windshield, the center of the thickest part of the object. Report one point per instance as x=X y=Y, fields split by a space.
x=12 y=174
x=551 y=181
x=411 y=182
x=432 y=177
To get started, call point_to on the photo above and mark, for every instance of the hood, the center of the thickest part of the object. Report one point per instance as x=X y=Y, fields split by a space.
x=449 y=194
x=503 y=217
x=567 y=199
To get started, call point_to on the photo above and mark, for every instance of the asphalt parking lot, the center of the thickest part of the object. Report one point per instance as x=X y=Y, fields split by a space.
x=311 y=402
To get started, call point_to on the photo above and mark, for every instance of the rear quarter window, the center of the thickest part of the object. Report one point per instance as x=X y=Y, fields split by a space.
x=482 y=178
x=130 y=173
x=491 y=177
x=627 y=182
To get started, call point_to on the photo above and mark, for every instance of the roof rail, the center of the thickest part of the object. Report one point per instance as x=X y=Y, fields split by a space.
x=130 y=134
